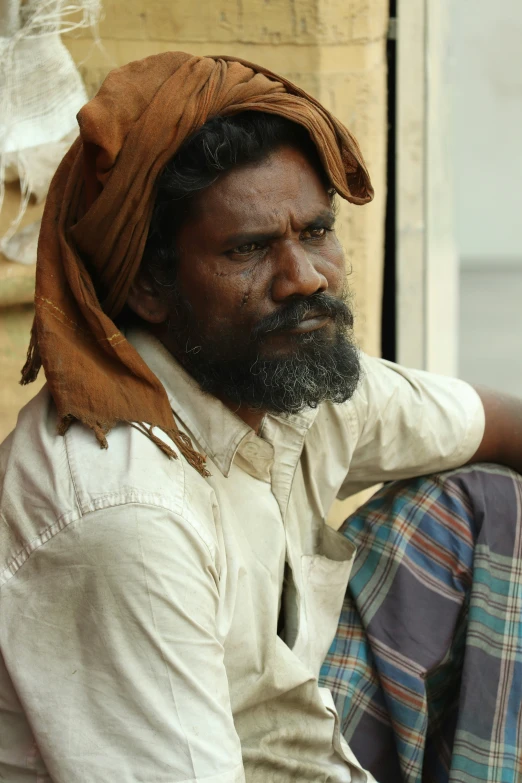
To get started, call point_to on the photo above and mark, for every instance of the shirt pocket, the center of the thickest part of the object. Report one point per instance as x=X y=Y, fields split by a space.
x=324 y=579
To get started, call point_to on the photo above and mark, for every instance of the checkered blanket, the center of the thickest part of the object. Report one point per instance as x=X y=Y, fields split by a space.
x=426 y=667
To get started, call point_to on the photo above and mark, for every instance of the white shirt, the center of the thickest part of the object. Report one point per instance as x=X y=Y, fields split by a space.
x=139 y=602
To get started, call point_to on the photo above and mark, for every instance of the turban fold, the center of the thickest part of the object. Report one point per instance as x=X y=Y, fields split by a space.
x=98 y=213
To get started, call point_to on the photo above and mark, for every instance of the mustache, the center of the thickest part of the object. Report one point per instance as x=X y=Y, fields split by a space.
x=291 y=314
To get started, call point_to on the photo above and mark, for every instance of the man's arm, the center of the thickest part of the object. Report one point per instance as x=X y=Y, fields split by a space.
x=502 y=440
x=110 y=639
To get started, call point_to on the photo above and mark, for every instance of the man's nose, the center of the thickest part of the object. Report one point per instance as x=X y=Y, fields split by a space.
x=297 y=273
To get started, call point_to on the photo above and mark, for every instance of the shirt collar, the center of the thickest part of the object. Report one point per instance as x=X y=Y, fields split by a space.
x=218 y=431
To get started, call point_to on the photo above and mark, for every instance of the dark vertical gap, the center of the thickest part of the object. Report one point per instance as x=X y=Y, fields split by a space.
x=389 y=305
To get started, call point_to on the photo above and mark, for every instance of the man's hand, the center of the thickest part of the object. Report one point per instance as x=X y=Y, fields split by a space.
x=502 y=441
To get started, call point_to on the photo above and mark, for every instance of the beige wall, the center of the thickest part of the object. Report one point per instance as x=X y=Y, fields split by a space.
x=335 y=49
x=16 y=315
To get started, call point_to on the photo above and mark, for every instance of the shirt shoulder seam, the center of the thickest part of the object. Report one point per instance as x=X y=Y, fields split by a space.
x=18 y=560
x=92 y=501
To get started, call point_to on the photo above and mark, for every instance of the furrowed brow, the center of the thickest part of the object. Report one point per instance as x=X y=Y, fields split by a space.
x=236 y=240
x=325 y=217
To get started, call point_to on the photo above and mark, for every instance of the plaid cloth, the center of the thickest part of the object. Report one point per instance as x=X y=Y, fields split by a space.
x=426 y=667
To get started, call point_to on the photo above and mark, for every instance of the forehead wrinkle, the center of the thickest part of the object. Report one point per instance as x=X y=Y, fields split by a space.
x=276 y=222
x=274 y=174
x=270 y=201
x=276 y=206
x=262 y=198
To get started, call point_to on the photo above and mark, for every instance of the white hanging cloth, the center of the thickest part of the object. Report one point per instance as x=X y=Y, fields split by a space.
x=41 y=92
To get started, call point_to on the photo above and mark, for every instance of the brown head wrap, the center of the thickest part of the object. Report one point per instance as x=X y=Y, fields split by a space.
x=97 y=217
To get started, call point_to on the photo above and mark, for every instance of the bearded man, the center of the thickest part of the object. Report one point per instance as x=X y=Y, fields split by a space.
x=173 y=606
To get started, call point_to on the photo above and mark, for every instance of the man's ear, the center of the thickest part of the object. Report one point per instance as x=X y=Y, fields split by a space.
x=146 y=299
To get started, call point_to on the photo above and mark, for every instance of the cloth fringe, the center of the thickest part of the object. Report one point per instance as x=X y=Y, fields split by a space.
x=30 y=372
x=182 y=441
x=33 y=361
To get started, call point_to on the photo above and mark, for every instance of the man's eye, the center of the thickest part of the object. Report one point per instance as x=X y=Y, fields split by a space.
x=244 y=250
x=315 y=233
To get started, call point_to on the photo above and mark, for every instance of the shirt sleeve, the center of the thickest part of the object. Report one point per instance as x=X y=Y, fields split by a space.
x=410 y=423
x=113 y=649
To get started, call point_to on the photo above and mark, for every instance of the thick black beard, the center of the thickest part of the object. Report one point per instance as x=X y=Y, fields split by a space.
x=321 y=368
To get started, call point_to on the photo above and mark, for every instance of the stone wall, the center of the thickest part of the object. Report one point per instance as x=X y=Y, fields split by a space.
x=335 y=49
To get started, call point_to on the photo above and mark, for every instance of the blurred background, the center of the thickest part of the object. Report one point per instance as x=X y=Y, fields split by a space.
x=432 y=91
x=486 y=154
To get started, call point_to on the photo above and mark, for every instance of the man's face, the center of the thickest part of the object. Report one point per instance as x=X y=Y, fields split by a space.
x=259 y=314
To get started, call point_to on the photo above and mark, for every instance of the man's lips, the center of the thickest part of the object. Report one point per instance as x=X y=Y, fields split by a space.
x=309 y=324
x=312 y=320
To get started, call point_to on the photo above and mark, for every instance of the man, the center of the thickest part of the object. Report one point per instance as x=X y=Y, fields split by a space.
x=166 y=617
